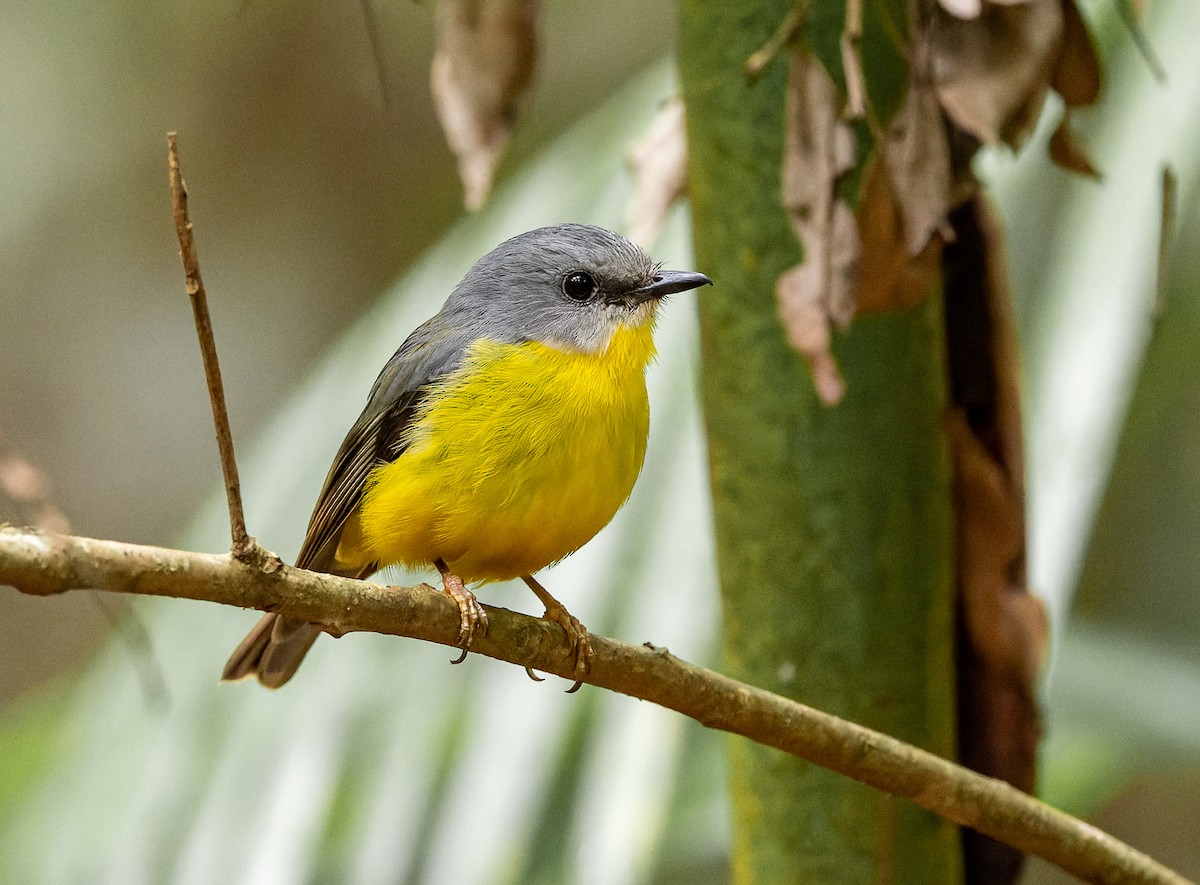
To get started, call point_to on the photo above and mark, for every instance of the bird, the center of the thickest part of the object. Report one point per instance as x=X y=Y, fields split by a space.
x=501 y=436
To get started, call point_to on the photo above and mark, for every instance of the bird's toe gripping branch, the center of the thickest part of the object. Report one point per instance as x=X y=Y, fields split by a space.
x=577 y=634
x=472 y=618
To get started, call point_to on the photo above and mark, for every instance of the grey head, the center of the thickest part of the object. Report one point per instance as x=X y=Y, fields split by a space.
x=570 y=286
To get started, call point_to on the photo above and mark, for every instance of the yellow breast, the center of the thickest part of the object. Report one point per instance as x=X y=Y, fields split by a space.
x=515 y=460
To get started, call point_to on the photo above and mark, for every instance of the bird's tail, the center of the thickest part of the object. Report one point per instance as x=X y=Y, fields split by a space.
x=275 y=648
x=272 y=651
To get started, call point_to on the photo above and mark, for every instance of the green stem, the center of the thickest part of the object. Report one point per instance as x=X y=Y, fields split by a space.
x=834 y=526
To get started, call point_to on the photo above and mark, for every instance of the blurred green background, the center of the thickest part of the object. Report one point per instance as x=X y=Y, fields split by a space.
x=312 y=196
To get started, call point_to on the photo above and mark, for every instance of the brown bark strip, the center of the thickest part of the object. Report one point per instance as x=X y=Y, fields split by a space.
x=1002 y=627
x=45 y=564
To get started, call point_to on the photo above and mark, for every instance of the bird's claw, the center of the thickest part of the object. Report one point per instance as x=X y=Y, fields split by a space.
x=472 y=618
x=578 y=639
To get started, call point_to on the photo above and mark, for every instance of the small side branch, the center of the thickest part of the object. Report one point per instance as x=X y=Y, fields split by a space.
x=783 y=36
x=45 y=564
x=244 y=546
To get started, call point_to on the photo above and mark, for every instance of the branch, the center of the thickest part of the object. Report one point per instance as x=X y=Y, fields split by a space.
x=783 y=35
x=44 y=564
x=244 y=547
x=27 y=488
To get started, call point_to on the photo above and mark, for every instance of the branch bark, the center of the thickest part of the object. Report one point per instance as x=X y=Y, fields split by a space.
x=45 y=564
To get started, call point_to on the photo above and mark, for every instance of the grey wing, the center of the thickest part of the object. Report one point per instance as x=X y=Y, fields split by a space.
x=339 y=496
x=377 y=437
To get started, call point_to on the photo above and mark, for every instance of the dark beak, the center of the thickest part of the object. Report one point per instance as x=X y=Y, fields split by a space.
x=668 y=282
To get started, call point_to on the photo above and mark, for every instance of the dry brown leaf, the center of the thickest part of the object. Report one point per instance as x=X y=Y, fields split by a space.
x=483 y=64
x=845 y=252
x=1077 y=74
x=889 y=278
x=1077 y=79
x=1068 y=153
x=659 y=166
x=907 y=195
x=918 y=162
x=807 y=323
x=999 y=720
x=985 y=385
x=1003 y=628
x=818 y=151
x=1006 y=626
x=992 y=72
x=26 y=489
x=819 y=146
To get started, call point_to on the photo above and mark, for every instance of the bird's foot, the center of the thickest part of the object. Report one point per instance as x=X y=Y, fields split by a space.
x=577 y=635
x=472 y=618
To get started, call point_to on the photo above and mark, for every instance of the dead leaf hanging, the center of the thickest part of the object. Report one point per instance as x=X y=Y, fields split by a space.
x=1003 y=628
x=25 y=493
x=658 y=163
x=908 y=191
x=820 y=291
x=918 y=163
x=889 y=277
x=483 y=64
x=1076 y=74
x=1076 y=78
x=992 y=72
x=1067 y=152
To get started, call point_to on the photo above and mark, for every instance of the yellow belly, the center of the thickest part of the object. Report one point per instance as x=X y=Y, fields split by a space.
x=515 y=460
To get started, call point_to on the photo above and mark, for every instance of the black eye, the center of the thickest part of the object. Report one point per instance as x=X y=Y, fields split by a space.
x=579 y=285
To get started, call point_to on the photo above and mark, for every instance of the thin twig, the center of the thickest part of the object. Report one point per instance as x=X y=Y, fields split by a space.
x=46 y=564
x=784 y=34
x=856 y=84
x=377 y=51
x=243 y=545
x=1166 y=225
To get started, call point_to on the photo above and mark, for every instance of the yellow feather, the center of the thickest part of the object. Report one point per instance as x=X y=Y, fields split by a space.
x=514 y=461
